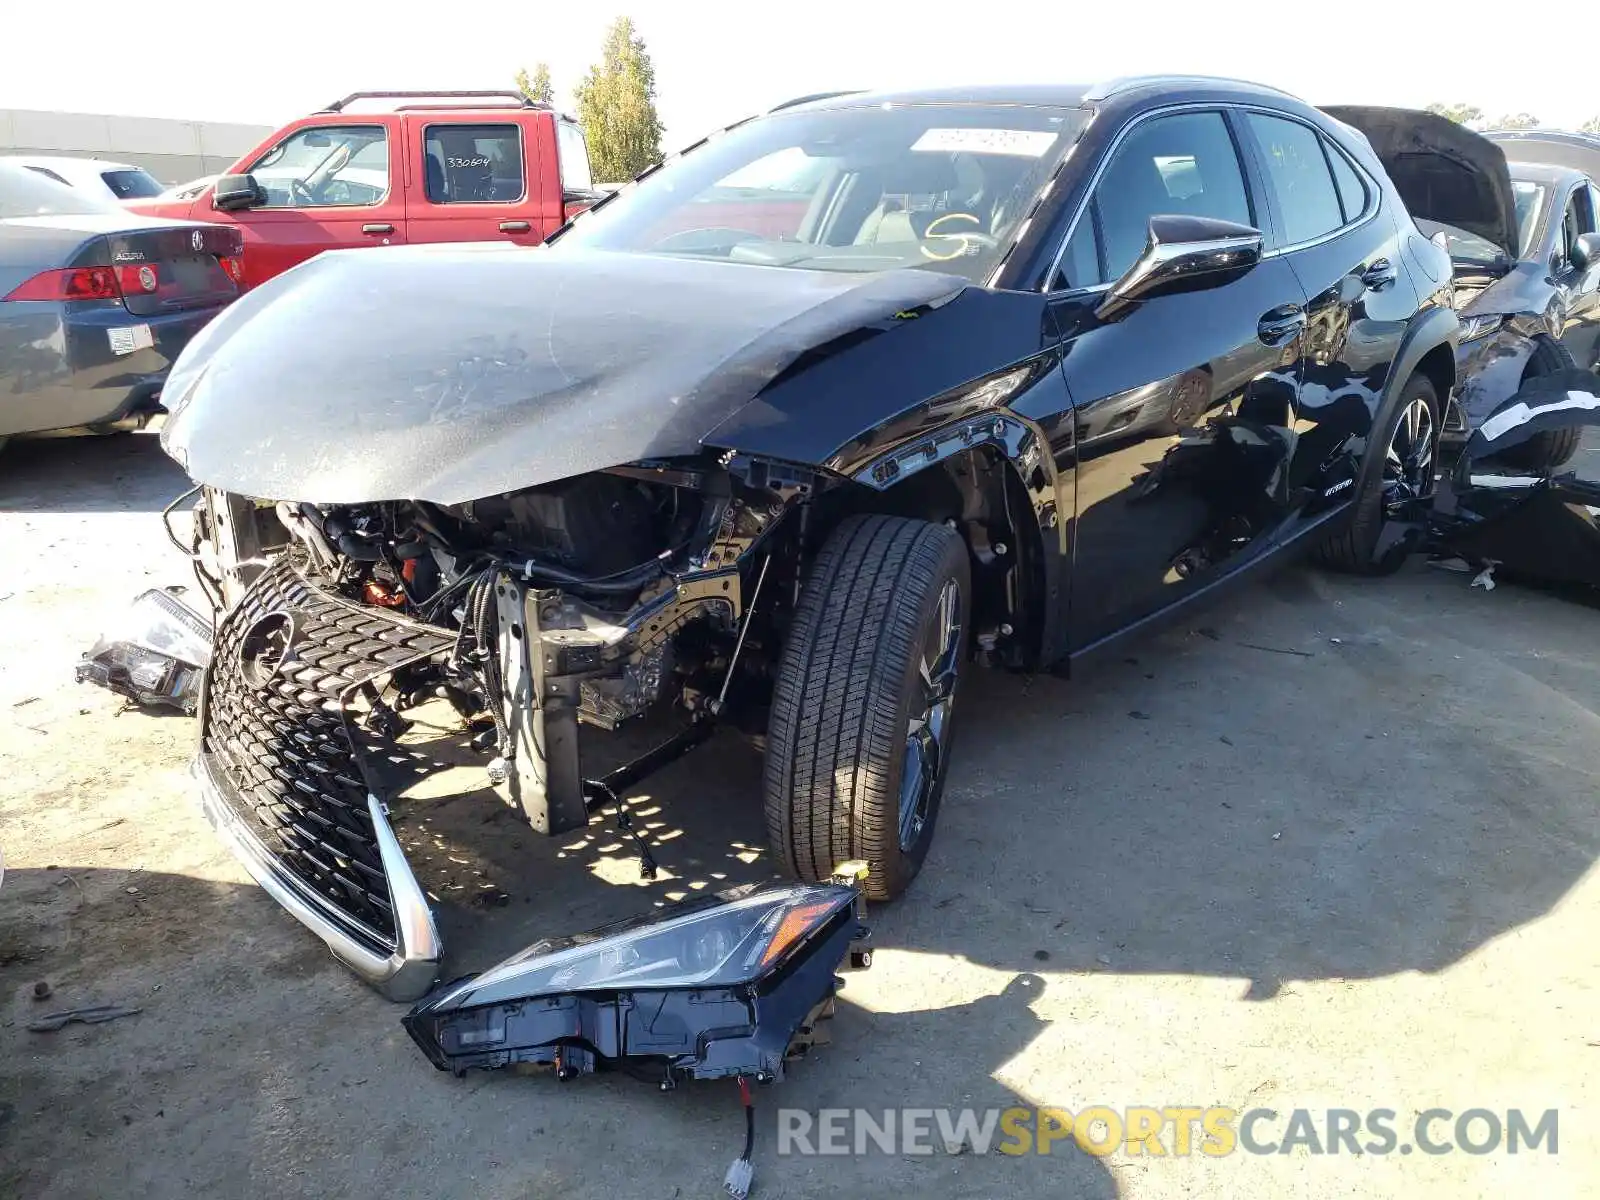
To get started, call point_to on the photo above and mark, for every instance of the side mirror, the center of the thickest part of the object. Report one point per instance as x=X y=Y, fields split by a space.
x=235 y=192
x=1184 y=254
x=1586 y=251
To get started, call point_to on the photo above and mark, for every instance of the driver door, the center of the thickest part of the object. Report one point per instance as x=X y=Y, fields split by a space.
x=328 y=187
x=1580 y=329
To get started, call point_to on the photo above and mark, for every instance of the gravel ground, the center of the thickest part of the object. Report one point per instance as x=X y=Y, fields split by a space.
x=1329 y=845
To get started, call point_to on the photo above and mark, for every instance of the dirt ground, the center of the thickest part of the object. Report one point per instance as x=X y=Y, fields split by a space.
x=1330 y=845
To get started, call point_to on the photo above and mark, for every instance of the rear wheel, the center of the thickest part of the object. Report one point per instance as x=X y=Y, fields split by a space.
x=1552 y=448
x=1410 y=437
x=863 y=710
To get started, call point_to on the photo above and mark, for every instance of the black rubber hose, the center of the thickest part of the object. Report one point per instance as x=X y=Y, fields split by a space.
x=620 y=582
x=480 y=604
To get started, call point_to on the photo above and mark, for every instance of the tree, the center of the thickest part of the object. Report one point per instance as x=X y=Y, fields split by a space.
x=537 y=87
x=1518 y=121
x=617 y=107
x=1592 y=125
x=1461 y=114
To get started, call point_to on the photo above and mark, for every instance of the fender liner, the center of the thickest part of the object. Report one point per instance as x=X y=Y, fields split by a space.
x=1428 y=331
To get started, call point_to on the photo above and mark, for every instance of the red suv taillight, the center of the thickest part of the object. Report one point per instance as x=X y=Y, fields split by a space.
x=70 y=283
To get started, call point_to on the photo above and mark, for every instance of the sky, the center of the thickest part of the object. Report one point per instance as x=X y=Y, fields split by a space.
x=716 y=61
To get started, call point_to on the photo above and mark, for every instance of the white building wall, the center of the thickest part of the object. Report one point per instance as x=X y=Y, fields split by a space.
x=172 y=151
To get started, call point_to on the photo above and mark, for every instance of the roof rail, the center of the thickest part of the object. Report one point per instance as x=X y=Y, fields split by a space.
x=521 y=101
x=1124 y=83
x=814 y=96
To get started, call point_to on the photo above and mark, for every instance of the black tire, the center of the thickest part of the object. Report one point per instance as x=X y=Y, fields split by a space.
x=1352 y=549
x=845 y=696
x=1551 y=449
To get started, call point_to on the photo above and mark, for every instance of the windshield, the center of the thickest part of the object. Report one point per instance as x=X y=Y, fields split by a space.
x=943 y=187
x=1468 y=249
x=25 y=193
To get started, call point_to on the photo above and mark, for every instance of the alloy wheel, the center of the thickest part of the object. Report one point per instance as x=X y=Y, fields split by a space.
x=1408 y=465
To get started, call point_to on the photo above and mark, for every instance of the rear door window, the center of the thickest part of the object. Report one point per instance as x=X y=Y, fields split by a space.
x=473 y=164
x=1353 y=193
x=1183 y=165
x=1297 y=172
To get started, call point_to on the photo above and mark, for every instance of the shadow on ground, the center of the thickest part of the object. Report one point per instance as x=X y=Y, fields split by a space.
x=1238 y=798
x=125 y=472
x=254 y=1063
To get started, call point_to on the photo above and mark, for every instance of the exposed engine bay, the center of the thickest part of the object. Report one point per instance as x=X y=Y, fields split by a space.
x=600 y=595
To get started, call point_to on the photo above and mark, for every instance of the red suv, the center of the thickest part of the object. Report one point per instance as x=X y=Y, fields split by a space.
x=436 y=167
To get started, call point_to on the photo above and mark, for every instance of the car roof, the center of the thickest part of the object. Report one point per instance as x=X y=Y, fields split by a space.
x=1045 y=95
x=1527 y=172
x=70 y=161
x=1542 y=135
x=1051 y=95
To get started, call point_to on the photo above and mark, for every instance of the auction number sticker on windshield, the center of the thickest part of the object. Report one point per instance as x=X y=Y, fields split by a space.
x=1022 y=143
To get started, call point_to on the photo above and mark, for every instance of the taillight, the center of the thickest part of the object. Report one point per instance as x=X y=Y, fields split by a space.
x=70 y=283
x=234 y=267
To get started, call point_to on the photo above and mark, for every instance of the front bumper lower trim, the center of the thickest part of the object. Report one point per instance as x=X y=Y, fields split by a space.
x=403 y=976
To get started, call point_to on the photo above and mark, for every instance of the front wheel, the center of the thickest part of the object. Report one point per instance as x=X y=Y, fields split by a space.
x=1551 y=448
x=1405 y=476
x=863 y=710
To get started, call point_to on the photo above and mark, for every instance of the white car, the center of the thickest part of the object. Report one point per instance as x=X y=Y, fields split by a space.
x=101 y=177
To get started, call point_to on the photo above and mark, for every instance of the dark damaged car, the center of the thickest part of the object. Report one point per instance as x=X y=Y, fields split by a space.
x=1524 y=249
x=783 y=436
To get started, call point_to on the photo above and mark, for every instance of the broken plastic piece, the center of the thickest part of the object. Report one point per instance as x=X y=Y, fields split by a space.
x=88 y=1016
x=1485 y=578
x=154 y=655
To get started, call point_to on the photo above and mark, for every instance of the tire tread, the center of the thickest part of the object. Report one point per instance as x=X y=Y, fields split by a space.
x=834 y=747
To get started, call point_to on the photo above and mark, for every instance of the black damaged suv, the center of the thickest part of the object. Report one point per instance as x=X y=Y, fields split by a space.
x=782 y=436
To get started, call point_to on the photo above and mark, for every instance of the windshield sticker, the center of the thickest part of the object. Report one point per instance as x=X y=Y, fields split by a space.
x=1020 y=143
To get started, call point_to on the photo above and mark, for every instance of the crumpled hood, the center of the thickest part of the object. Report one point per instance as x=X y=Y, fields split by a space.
x=449 y=373
x=1443 y=171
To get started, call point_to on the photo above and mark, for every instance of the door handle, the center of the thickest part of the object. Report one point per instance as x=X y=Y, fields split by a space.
x=377 y=227
x=1379 y=275
x=1282 y=325
x=515 y=227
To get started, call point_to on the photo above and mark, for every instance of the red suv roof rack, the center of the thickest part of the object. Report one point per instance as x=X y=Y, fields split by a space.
x=520 y=101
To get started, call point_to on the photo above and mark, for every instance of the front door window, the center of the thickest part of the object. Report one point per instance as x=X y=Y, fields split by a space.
x=326 y=166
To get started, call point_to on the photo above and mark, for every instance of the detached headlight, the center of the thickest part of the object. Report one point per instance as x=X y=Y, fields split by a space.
x=717 y=986
x=1474 y=328
x=718 y=943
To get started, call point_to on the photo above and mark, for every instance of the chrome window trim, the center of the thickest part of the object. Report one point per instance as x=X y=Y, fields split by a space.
x=1374 y=192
